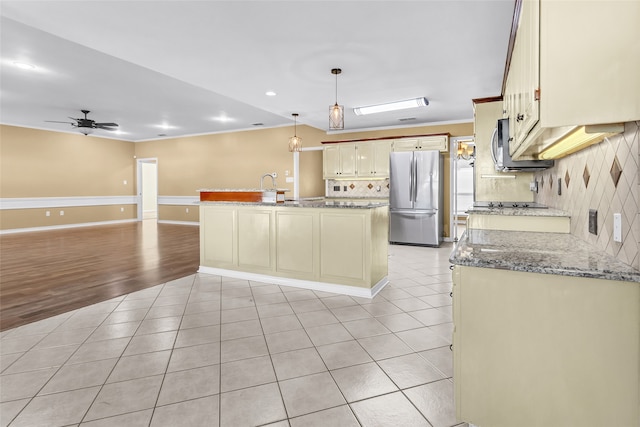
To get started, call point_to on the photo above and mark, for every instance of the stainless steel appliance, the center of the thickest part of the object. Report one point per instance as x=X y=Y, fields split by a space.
x=415 y=197
x=501 y=157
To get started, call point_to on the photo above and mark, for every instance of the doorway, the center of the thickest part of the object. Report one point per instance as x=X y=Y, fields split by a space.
x=147 y=189
x=462 y=195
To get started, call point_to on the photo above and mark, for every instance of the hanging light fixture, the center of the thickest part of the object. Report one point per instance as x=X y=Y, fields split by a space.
x=336 y=112
x=295 y=142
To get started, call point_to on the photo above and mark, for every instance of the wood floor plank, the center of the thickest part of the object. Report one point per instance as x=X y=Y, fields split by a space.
x=46 y=273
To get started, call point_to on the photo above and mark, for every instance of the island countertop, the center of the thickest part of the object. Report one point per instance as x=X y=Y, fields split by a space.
x=546 y=253
x=319 y=203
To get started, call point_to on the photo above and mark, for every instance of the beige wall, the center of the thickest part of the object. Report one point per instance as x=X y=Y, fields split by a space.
x=37 y=164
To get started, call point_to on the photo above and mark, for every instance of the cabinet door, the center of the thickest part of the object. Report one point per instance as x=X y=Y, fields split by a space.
x=366 y=159
x=405 y=144
x=218 y=237
x=255 y=239
x=433 y=143
x=348 y=160
x=381 y=159
x=526 y=72
x=331 y=161
x=340 y=258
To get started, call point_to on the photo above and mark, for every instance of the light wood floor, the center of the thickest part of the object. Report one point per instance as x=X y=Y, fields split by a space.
x=46 y=273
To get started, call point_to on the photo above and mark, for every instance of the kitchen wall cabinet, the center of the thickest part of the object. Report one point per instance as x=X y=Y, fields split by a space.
x=569 y=68
x=435 y=142
x=536 y=349
x=373 y=159
x=339 y=161
x=490 y=185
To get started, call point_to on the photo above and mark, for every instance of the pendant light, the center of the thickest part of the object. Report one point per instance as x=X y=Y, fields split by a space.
x=295 y=142
x=336 y=112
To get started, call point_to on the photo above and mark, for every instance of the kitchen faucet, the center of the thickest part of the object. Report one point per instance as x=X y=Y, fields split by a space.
x=273 y=176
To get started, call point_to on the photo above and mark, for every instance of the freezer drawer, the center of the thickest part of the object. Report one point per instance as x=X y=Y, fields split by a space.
x=415 y=228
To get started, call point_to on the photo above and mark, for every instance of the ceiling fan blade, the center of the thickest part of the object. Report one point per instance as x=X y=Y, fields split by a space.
x=55 y=121
x=106 y=124
x=105 y=128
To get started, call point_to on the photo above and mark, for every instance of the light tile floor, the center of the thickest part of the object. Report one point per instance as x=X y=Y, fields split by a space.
x=213 y=351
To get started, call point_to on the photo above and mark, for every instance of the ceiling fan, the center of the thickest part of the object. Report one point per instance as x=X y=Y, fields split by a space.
x=86 y=126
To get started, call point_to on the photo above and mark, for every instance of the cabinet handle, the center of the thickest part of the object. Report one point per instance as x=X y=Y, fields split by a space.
x=520 y=117
x=451 y=347
x=451 y=294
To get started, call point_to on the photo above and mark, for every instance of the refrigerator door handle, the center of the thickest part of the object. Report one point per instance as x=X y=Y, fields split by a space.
x=414 y=170
x=411 y=182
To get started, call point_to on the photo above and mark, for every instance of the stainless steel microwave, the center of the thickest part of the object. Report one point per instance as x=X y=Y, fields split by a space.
x=502 y=158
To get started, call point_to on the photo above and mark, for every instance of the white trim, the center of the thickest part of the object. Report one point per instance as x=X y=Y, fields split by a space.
x=178 y=200
x=165 y=221
x=58 y=227
x=297 y=283
x=59 y=202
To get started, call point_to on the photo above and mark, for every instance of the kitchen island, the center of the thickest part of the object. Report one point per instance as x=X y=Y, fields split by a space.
x=331 y=246
x=546 y=332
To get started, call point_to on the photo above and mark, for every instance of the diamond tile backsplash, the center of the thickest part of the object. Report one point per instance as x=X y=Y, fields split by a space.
x=373 y=189
x=597 y=169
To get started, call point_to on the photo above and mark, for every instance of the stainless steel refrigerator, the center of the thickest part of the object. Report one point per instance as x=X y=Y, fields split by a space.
x=415 y=197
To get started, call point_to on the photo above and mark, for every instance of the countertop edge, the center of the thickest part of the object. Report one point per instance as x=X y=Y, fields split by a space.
x=472 y=255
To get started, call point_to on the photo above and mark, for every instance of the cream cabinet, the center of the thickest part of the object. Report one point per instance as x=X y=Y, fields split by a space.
x=563 y=73
x=373 y=159
x=434 y=142
x=534 y=349
x=492 y=186
x=339 y=161
x=293 y=245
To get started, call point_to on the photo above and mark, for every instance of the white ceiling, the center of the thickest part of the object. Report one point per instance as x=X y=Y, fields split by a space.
x=185 y=63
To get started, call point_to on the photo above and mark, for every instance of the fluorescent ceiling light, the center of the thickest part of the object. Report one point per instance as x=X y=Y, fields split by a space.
x=392 y=106
x=579 y=138
x=270 y=93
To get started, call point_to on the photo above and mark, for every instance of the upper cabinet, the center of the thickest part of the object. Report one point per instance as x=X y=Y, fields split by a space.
x=373 y=159
x=434 y=142
x=339 y=161
x=573 y=64
x=370 y=158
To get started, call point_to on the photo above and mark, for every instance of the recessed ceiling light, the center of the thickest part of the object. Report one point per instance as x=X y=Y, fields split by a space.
x=223 y=118
x=24 y=65
x=165 y=126
x=270 y=93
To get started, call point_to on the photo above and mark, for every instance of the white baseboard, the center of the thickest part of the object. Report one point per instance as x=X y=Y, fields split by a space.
x=297 y=283
x=164 y=221
x=59 y=227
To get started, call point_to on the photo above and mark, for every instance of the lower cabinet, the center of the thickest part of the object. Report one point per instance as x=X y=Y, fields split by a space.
x=545 y=350
x=346 y=246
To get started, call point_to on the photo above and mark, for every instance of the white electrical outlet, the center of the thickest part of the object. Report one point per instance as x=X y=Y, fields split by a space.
x=121 y=209
x=289 y=179
x=61 y=213
x=617 y=227
x=47 y=213
x=187 y=210
x=124 y=182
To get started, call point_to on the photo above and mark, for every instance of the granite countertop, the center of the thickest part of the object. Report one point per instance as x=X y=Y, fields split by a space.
x=239 y=190
x=546 y=253
x=518 y=211
x=320 y=203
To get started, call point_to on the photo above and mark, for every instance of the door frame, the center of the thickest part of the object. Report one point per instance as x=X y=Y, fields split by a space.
x=140 y=186
x=453 y=184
